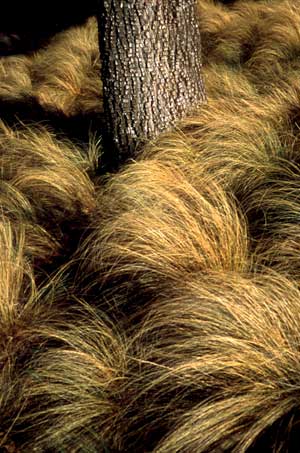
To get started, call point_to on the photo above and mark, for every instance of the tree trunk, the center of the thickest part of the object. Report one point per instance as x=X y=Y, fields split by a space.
x=151 y=69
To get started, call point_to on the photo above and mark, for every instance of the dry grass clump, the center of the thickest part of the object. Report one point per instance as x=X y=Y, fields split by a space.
x=259 y=37
x=67 y=74
x=157 y=223
x=64 y=76
x=58 y=85
x=193 y=250
x=45 y=189
x=71 y=385
x=215 y=367
x=60 y=361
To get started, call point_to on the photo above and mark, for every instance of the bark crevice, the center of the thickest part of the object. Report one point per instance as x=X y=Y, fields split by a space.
x=151 y=68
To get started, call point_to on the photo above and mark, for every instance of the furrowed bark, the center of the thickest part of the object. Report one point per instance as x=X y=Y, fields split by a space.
x=151 y=69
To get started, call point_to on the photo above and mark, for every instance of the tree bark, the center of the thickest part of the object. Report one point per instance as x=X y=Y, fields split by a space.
x=151 y=69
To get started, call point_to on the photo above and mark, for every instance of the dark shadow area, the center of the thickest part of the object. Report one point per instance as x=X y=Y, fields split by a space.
x=28 y=111
x=79 y=128
x=26 y=26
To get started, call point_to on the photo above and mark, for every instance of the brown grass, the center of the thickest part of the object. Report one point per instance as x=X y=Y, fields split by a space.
x=215 y=367
x=170 y=318
x=45 y=189
x=166 y=222
x=58 y=371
